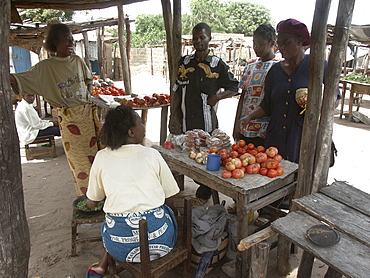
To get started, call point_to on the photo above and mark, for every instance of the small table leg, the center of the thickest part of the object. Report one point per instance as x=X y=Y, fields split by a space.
x=242 y=263
x=164 y=115
x=74 y=236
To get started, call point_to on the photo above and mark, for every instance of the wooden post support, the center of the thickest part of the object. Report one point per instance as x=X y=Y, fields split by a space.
x=332 y=273
x=255 y=238
x=305 y=266
x=124 y=60
x=283 y=252
x=259 y=260
x=86 y=47
x=325 y=131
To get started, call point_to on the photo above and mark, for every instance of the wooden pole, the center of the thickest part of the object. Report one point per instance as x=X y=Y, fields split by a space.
x=324 y=138
x=311 y=119
x=168 y=24
x=100 y=53
x=14 y=232
x=128 y=39
x=86 y=47
x=283 y=252
x=124 y=61
x=259 y=260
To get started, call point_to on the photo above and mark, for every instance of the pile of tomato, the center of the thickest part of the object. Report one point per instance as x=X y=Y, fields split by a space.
x=112 y=91
x=247 y=158
x=147 y=101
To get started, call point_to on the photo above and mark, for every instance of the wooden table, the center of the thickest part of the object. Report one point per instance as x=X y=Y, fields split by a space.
x=346 y=209
x=356 y=88
x=144 y=115
x=250 y=193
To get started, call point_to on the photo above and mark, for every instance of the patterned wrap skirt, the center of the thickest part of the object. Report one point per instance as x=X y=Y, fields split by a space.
x=120 y=233
x=80 y=130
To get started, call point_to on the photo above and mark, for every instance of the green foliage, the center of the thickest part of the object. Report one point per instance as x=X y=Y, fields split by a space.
x=45 y=16
x=149 y=30
x=230 y=17
x=357 y=77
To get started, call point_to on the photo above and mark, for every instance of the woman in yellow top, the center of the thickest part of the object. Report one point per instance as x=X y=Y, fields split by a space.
x=65 y=82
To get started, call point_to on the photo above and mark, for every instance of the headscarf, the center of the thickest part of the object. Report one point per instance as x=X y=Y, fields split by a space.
x=294 y=27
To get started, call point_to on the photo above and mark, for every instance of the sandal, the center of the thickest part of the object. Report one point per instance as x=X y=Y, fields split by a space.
x=92 y=274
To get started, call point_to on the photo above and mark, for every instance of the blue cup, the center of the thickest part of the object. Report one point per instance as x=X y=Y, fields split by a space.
x=213 y=162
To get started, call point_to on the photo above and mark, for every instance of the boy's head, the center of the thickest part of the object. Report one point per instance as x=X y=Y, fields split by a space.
x=29 y=98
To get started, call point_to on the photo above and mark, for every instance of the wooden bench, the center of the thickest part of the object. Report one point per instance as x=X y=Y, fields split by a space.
x=41 y=140
x=348 y=257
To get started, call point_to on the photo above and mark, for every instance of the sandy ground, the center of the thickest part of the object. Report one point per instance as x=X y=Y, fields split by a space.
x=49 y=193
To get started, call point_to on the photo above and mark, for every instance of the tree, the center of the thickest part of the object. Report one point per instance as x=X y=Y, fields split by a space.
x=45 y=15
x=244 y=17
x=14 y=233
x=228 y=17
x=149 y=30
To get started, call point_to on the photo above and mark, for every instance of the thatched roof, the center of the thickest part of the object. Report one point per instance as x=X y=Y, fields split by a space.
x=72 y=5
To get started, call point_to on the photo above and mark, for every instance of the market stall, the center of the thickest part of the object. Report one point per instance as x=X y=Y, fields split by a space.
x=250 y=193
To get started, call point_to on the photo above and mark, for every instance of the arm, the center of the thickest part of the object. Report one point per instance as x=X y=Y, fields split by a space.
x=217 y=97
x=14 y=83
x=256 y=114
x=237 y=116
x=174 y=125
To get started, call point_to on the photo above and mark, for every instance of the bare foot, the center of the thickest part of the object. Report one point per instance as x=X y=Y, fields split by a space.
x=98 y=269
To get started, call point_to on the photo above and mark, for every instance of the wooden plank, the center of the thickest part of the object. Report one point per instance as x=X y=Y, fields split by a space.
x=345 y=219
x=348 y=195
x=349 y=257
x=255 y=238
x=269 y=199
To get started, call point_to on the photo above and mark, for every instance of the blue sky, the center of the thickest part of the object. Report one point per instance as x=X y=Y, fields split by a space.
x=302 y=10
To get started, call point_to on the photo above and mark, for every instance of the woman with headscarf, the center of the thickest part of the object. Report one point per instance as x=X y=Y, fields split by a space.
x=282 y=82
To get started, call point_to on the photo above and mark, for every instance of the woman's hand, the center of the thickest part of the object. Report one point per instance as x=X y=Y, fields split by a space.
x=243 y=123
x=91 y=204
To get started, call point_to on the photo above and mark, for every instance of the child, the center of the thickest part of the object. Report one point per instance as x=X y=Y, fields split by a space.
x=135 y=181
x=252 y=85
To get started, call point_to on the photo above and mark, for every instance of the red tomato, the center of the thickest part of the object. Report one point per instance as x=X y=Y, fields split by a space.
x=230 y=166
x=238 y=173
x=235 y=147
x=272 y=173
x=226 y=174
x=261 y=157
x=280 y=171
x=213 y=149
x=271 y=163
x=233 y=154
x=247 y=158
x=251 y=146
x=253 y=152
x=224 y=156
x=278 y=157
x=242 y=151
x=223 y=151
x=242 y=143
x=253 y=168
x=244 y=169
x=261 y=149
x=225 y=161
x=263 y=171
x=272 y=151
x=168 y=145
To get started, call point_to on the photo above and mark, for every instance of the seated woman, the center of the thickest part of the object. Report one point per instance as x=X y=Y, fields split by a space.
x=29 y=125
x=135 y=180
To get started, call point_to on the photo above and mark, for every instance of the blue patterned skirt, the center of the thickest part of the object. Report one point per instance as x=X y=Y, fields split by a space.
x=120 y=233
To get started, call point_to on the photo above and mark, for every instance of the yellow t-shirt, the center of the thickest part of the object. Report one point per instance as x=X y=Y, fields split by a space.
x=133 y=178
x=61 y=81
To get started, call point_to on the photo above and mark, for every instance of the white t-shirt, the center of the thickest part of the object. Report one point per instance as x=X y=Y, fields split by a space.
x=133 y=178
x=28 y=122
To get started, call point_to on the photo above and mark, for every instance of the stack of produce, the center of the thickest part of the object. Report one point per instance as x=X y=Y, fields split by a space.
x=243 y=158
x=192 y=140
x=148 y=101
x=112 y=91
x=219 y=139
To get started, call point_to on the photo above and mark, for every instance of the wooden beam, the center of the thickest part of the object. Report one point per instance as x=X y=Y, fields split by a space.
x=14 y=16
x=312 y=114
x=324 y=137
x=124 y=61
x=86 y=47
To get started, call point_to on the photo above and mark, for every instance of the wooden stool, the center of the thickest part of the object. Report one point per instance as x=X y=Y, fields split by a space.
x=78 y=219
x=39 y=140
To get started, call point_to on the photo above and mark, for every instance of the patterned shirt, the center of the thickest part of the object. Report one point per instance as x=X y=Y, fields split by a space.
x=253 y=84
x=197 y=81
